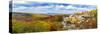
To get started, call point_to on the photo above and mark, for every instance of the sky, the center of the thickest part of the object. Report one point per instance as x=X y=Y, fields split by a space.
x=49 y=7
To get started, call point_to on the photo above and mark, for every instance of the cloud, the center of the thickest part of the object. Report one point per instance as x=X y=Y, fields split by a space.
x=20 y=1
x=26 y=6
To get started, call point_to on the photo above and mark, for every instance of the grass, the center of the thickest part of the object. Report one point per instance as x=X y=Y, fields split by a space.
x=44 y=23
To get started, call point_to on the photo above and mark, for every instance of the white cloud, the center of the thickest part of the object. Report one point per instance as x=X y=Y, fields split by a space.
x=81 y=8
x=19 y=2
x=70 y=7
x=42 y=9
x=65 y=1
x=20 y=8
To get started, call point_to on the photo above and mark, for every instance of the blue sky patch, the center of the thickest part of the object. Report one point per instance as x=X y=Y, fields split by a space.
x=44 y=7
